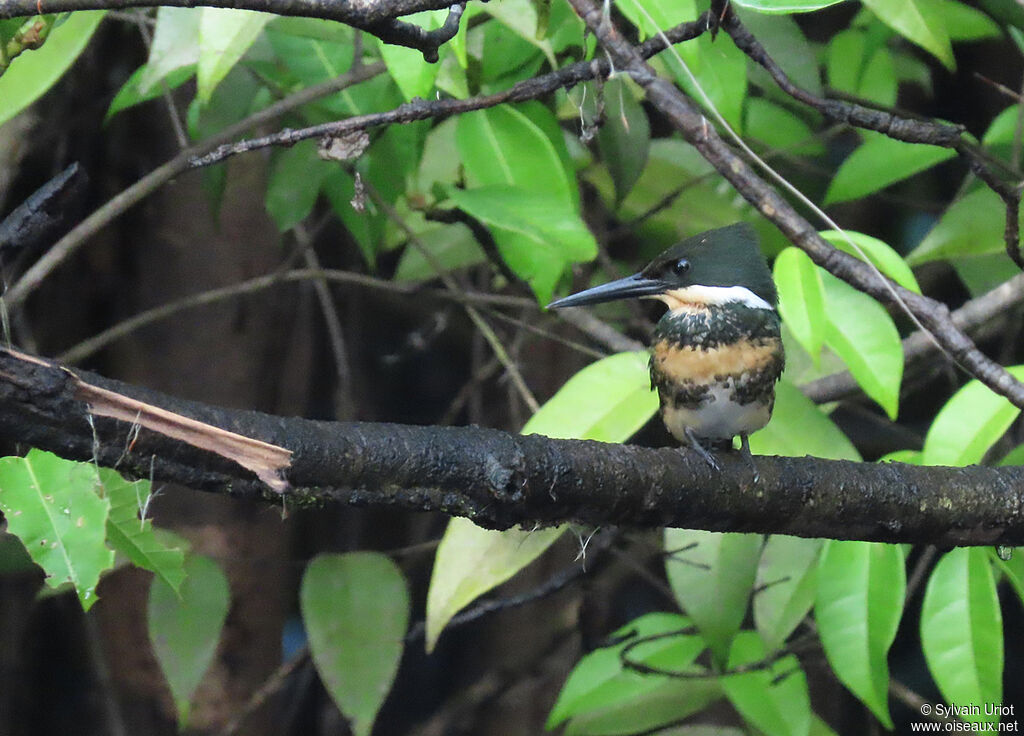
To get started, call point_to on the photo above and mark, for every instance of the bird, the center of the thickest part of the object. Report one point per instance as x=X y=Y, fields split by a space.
x=717 y=352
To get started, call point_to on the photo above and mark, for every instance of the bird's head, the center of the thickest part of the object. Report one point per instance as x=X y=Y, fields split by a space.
x=716 y=267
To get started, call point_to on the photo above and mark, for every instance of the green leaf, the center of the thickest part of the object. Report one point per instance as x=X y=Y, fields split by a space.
x=294 y=183
x=509 y=58
x=862 y=333
x=786 y=584
x=819 y=727
x=471 y=561
x=706 y=204
x=910 y=457
x=1013 y=457
x=536 y=234
x=184 y=627
x=876 y=251
x=356 y=609
x=1001 y=129
x=786 y=6
x=962 y=631
x=412 y=73
x=34 y=72
x=314 y=28
x=969 y=424
x=879 y=162
x=533 y=216
x=520 y=16
x=965 y=23
x=625 y=137
x=670 y=701
x=858 y=609
x=798 y=427
x=312 y=58
x=14 y=558
x=785 y=42
x=721 y=71
x=802 y=299
x=175 y=46
x=453 y=246
x=981 y=274
x=224 y=36
x=712 y=575
x=51 y=505
x=131 y=92
x=501 y=145
x=599 y=680
x=973 y=225
x=608 y=401
x=861 y=68
x=650 y=16
x=439 y=163
x=777 y=127
x=920 y=21
x=131 y=534
x=774 y=699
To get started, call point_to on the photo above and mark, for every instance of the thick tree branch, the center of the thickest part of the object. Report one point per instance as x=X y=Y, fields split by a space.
x=379 y=18
x=500 y=480
x=687 y=118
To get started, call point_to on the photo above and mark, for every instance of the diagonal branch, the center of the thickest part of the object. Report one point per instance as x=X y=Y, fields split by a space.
x=686 y=117
x=897 y=127
x=499 y=480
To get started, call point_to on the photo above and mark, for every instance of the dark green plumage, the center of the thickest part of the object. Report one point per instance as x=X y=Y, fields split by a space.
x=728 y=256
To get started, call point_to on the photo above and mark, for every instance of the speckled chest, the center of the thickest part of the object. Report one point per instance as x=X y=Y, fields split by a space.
x=715 y=369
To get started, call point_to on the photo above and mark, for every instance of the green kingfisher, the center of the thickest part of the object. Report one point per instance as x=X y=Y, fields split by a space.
x=717 y=352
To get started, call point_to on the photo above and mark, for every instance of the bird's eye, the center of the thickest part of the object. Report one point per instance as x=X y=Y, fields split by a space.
x=680 y=267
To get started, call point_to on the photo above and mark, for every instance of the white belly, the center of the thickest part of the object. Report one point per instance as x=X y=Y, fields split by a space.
x=717 y=418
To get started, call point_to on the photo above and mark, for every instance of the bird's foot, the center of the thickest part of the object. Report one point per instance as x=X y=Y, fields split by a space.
x=694 y=443
x=748 y=457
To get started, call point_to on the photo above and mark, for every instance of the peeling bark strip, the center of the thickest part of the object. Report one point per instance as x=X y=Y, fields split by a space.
x=500 y=480
x=268 y=462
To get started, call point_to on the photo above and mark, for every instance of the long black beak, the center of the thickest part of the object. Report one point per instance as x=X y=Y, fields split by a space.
x=631 y=286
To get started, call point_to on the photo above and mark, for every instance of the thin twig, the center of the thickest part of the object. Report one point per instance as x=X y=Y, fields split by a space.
x=277 y=680
x=345 y=406
x=547 y=334
x=486 y=371
x=449 y=281
x=418 y=109
x=88 y=347
x=559 y=581
x=921 y=568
